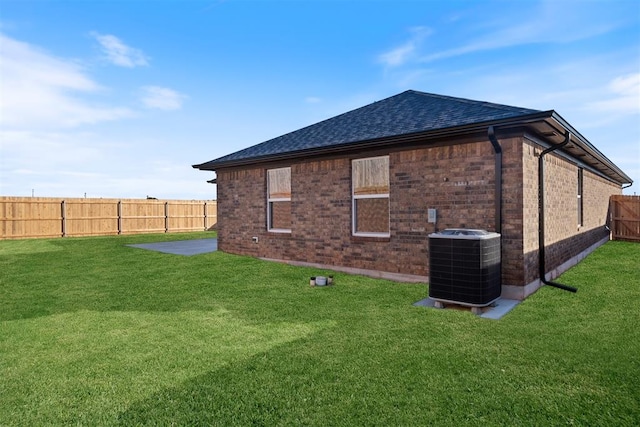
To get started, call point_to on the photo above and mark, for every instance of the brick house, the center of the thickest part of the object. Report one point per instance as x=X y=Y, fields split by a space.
x=351 y=193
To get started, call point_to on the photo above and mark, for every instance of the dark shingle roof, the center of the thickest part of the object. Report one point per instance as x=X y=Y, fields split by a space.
x=403 y=114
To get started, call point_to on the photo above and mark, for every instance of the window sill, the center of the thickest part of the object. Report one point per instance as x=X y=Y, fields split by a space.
x=370 y=237
x=279 y=231
x=383 y=235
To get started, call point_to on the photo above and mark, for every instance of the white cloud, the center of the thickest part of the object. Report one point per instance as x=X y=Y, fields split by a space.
x=119 y=53
x=312 y=100
x=530 y=23
x=539 y=29
x=401 y=54
x=626 y=85
x=41 y=150
x=42 y=91
x=162 y=98
x=72 y=163
x=622 y=97
x=43 y=160
x=22 y=58
x=46 y=145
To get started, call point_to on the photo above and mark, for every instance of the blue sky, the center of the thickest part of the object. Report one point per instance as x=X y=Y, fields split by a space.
x=119 y=98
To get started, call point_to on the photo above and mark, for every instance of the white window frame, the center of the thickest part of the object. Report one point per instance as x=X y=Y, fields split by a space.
x=355 y=197
x=276 y=199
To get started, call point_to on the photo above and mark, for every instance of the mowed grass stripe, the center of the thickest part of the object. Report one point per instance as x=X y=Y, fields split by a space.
x=96 y=333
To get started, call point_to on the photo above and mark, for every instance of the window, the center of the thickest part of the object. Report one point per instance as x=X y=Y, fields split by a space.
x=279 y=200
x=580 y=203
x=370 y=186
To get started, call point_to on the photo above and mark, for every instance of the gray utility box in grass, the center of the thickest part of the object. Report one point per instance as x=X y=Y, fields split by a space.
x=465 y=266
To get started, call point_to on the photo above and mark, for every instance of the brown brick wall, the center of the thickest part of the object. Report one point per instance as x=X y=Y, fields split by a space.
x=241 y=209
x=512 y=208
x=530 y=153
x=596 y=195
x=564 y=239
x=455 y=179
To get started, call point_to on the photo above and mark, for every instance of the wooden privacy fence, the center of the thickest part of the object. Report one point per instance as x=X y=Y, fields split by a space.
x=25 y=217
x=625 y=218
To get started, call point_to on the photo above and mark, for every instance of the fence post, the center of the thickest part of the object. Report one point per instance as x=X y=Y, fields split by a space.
x=205 y=216
x=63 y=212
x=119 y=216
x=166 y=217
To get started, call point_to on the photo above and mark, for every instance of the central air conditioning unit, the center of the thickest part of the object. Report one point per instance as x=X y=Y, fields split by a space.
x=465 y=267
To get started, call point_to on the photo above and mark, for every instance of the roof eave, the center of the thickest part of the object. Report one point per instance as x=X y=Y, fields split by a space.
x=550 y=117
x=599 y=160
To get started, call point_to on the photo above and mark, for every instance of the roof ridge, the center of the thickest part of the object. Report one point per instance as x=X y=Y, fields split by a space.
x=469 y=101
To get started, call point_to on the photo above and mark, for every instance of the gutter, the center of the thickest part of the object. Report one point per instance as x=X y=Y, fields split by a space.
x=541 y=246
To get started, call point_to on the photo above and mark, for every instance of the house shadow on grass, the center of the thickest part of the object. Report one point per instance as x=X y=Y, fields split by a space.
x=287 y=385
x=293 y=383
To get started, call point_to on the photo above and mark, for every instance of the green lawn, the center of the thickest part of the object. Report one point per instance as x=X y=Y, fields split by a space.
x=96 y=333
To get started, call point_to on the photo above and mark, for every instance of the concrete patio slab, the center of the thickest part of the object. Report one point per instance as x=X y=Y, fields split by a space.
x=181 y=247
